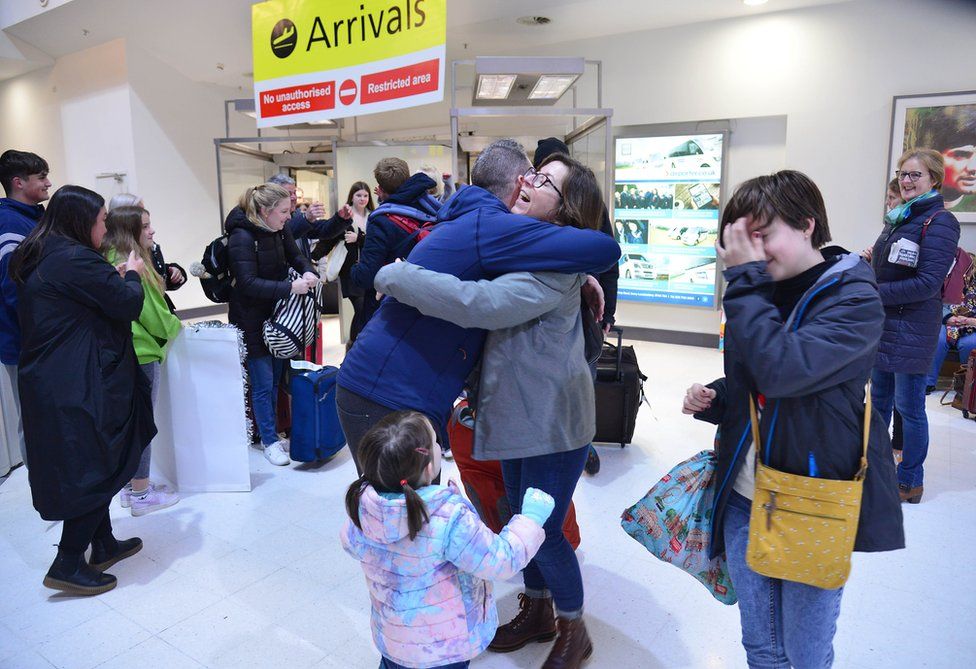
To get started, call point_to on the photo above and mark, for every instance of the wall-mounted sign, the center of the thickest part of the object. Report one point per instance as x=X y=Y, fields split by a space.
x=666 y=203
x=315 y=61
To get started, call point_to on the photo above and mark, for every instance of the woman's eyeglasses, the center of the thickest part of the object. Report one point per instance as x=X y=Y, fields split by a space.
x=911 y=176
x=538 y=180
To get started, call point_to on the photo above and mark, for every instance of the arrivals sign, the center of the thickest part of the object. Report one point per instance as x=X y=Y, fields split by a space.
x=317 y=60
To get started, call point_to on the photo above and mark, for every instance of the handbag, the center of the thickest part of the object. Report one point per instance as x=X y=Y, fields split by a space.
x=333 y=262
x=958 y=389
x=673 y=521
x=292 y=325
x=802 y=528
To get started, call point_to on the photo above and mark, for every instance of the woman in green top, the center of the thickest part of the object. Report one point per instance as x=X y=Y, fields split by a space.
x=129 y=229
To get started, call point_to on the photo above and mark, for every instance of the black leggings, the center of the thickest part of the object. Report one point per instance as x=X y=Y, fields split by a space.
x=77 y=533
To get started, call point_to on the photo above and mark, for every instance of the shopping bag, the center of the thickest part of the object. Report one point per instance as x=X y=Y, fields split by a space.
x=334 y=261
x=673 y=521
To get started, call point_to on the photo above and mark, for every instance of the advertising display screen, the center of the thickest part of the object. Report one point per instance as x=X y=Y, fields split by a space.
x=665 y=217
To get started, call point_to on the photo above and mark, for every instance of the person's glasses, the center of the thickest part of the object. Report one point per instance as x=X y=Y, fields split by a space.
x=911 y=176
x=538 y=180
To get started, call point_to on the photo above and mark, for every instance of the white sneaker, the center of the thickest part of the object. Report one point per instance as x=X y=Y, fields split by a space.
x=125 y=496
x=275 y=454
x=153 y=500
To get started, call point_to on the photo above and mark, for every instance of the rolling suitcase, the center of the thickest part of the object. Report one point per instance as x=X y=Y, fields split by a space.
x=619 y=392
x=315 y=430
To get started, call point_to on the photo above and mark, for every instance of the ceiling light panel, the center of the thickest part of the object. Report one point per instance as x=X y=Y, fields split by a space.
x=551 y=86
x=495 y=86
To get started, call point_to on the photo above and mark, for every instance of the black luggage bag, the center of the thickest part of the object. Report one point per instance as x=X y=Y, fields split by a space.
x=619 y=392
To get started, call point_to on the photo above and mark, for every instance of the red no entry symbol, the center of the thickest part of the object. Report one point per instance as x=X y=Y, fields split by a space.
x=347 y=92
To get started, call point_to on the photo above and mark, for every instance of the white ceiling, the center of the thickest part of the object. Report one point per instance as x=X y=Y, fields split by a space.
x=194 y=36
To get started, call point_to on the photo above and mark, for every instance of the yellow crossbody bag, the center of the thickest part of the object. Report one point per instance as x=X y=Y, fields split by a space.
x=802 y=528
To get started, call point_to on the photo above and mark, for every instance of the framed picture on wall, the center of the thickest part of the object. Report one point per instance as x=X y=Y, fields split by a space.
x=945 y=122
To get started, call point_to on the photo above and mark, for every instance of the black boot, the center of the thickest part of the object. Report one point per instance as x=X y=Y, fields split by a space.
x=592 y=465
x=69 y=572
x=104 y=554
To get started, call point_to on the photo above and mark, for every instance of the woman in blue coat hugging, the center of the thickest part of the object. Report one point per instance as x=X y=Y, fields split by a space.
x=911 y=259
x=801 y=338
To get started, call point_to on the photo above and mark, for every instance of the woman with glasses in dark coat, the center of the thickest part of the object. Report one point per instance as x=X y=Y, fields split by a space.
x=911 y=259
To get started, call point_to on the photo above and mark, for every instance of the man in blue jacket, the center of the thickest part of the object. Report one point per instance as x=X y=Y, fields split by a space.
x=405 y=360
x=23 y=176
x=405 y=215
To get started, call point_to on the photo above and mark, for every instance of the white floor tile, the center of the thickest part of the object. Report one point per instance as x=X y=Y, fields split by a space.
x=259 y=579
x=53 y=616
x=26 y=659
x=153 y=652
x=93 y=642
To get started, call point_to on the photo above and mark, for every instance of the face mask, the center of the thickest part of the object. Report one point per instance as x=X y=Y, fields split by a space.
x=897 y=216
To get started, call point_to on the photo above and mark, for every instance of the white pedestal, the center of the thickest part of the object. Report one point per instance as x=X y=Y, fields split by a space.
x=202 y=445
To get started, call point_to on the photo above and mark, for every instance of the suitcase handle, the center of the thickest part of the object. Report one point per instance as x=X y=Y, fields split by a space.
x=620 y=350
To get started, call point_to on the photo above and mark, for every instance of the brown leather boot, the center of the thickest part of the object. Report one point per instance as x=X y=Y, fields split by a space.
x=572 y=647
x=535 y=621
x=909 y=494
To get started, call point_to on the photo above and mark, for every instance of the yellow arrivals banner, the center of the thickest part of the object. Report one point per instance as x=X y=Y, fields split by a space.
x=326 y=59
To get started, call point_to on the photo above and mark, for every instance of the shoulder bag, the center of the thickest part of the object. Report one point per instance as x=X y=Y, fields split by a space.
x=802 y=528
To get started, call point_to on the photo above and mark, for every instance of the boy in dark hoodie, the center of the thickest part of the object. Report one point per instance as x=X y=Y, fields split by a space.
x=407 y=212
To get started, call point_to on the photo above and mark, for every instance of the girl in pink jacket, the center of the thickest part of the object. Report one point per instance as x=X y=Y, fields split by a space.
x=427 y=557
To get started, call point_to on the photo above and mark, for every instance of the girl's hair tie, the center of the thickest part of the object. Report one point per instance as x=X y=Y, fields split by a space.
x=403 y=483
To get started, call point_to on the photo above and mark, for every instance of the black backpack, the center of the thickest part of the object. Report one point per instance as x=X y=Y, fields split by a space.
x=217 y=283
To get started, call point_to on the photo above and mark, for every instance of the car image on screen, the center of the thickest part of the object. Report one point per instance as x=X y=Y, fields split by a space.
x=636 y=266
x=689 y=155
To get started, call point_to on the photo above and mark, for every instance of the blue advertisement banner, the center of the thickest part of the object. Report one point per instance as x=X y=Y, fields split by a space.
x=666 y=207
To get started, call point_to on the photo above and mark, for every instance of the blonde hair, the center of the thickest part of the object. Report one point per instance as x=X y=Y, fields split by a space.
x=932 y=161
x=123 y=230
x=266 y=196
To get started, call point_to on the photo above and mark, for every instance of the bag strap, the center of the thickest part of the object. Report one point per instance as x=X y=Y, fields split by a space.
x=862 y=470
x=925 y=225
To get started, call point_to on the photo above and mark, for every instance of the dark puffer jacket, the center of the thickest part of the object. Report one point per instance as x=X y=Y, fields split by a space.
x=912 y=296
x=812 y=368
x=259 y=262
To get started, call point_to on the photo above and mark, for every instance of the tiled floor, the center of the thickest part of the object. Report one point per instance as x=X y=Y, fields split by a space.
x=259 y=580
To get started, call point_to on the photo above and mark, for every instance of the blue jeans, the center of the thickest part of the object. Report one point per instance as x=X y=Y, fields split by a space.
x=265 y=372
x=965 y=346
x=906 y=392
x=784 y=623
x=555 y=565
x=387 y=663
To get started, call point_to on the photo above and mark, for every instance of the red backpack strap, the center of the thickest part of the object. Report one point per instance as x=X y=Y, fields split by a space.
x=925 y=225
x=405 y=223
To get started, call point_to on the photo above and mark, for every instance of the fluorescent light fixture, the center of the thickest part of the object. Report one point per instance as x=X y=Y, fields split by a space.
x=551 y=86
x=495 y=86
x=755 y=3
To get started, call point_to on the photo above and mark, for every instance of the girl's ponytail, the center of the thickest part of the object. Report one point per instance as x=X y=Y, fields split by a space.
x=417 y=514
x=353 y=495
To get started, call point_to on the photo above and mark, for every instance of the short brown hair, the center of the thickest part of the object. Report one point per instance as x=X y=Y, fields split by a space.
x=789 y=195
x=390 y=173
x=931 y=159
x=581 y=205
